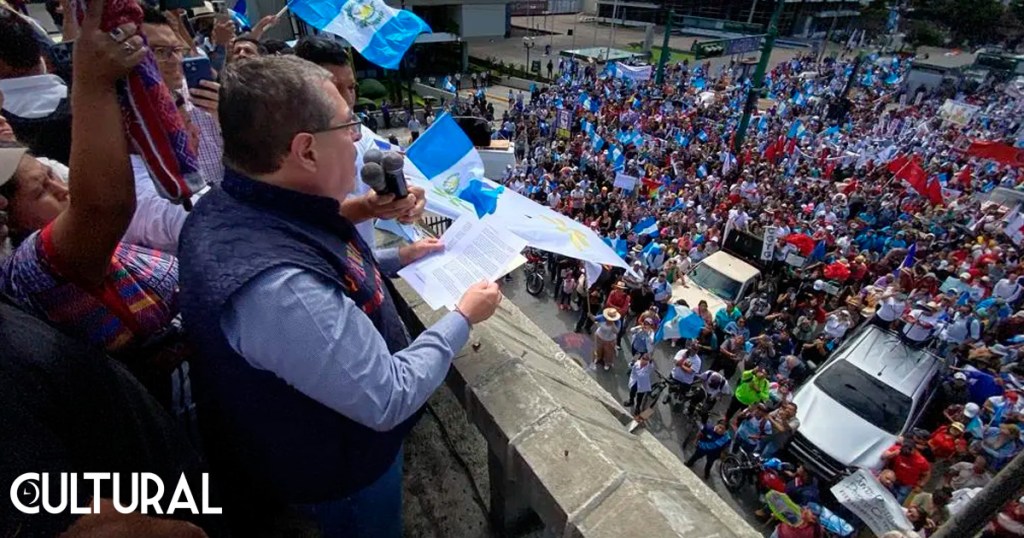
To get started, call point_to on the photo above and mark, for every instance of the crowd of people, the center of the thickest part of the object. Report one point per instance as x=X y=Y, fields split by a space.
x=822 y=167
x=199 y=317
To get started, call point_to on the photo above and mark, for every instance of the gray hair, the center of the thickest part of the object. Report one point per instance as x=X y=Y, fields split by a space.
x=264 y=103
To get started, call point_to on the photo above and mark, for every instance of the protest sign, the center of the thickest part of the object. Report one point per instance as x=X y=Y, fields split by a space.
x=770 y=238
x=872 y=503
x=624 y=182
x=957 y=112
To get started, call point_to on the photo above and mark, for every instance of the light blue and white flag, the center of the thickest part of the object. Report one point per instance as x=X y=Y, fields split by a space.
x=682 y=139
x=679 y=322
x=380 y=33
x=647 y=226
x=617 y=158
x=596 y=141
x=702 y=171
x=448 y=86
x=702 y=136
x=446 y=157
x=238 y=14
x=796 y=130
x=762 y=124
x=698 y=83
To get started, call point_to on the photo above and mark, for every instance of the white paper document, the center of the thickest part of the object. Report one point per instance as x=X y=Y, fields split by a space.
x=473 y=251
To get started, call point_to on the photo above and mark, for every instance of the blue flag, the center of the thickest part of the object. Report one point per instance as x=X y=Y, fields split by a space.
x=380 y=33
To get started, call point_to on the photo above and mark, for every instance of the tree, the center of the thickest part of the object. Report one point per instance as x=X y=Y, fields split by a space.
x=970 y=21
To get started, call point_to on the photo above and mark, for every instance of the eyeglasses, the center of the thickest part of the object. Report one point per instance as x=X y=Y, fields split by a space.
x=352 y=126
x=168 y=53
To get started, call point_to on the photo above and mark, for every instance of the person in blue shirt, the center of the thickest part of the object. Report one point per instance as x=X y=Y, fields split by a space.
x=711 y=441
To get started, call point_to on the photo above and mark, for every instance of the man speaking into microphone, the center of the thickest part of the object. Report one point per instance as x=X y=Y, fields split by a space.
x=307 y=379
x=364 y=204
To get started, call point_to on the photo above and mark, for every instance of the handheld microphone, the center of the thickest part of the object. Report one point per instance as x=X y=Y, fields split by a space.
x=394 y=177
x=373 y=175
x=372 y=155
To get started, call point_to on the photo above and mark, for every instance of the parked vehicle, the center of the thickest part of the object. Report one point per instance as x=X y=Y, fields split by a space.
x=872 y=389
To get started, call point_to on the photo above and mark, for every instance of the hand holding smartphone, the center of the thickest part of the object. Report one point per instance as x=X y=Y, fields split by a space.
x=196 y=70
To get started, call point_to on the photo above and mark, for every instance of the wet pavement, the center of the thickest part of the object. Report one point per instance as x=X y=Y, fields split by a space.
x=669 y=428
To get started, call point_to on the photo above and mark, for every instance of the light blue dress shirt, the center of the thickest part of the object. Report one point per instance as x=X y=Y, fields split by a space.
x=304 y=329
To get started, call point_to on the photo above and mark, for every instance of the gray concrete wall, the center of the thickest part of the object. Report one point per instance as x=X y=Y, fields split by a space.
x=558 y=446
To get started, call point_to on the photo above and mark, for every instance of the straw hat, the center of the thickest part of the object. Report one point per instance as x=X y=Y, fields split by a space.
x=611 y=314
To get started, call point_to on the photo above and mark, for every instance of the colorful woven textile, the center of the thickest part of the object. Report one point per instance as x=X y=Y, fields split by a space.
x=151 y=120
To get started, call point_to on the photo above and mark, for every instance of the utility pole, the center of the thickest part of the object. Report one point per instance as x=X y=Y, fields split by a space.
x=987 y=502
x=611 y=38
x=660 y=76
x=757 y=84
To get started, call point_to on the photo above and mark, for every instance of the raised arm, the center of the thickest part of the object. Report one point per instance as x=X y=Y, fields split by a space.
x=102 y=186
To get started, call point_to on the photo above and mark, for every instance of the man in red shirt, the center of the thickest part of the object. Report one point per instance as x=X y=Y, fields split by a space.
x=910 y=466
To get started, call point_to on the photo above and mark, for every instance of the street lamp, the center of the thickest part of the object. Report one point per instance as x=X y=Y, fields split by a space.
x=529 y=44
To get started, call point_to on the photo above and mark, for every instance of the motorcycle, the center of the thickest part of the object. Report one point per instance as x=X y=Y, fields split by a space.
x=534 y=271
x=742 y=468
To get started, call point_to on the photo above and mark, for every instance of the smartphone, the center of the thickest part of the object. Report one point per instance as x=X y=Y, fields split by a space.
x=197 y=69
x=60 y=54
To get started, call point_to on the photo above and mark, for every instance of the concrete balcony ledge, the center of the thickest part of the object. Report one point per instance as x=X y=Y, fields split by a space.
x=558 y=445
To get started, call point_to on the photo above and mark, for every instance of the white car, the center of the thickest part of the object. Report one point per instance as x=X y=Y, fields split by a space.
x=718 y=278
x=872 y=389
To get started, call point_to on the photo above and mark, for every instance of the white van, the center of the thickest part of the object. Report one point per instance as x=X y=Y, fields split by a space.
x=718 y=278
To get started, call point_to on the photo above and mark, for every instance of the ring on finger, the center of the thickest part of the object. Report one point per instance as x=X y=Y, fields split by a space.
x=117 y=34
x=128 y=47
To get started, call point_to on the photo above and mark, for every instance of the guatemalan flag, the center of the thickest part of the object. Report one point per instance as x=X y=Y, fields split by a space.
x=679 y=322
x=380 y=33
x=446 y=157
x=448 y=86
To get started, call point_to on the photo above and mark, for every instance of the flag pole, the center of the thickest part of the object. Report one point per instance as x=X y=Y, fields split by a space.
x=282 y=12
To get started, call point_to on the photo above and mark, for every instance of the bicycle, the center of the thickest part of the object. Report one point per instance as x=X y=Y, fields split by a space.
x=650 y=402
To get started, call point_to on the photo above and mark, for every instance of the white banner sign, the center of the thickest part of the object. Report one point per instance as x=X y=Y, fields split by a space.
x=768 y=248
x=871 y=502
x=957 y=112
x=639 y=73
x=624 y=182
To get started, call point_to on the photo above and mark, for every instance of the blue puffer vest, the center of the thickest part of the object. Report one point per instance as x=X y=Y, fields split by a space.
x=273 y=443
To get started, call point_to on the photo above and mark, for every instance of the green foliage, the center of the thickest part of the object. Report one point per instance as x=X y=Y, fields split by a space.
x=974 y=22
x=365 y=104
x=924 y=33
x=371 y=88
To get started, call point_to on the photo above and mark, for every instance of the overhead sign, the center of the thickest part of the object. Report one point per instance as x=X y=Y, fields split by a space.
x=726 y=47
x=873 y=504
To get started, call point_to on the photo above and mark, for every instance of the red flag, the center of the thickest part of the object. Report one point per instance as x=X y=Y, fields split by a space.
x=898 y=163
x=830 y=167
x=934 y=192
x=916 y=177
x=790 y=146
x=964 y=176
x=997 y=151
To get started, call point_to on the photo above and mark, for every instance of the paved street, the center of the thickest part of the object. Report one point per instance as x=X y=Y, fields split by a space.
x=669 y=429
x=586 y=34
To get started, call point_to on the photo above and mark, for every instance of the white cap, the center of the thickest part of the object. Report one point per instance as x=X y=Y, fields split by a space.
x=9 y=160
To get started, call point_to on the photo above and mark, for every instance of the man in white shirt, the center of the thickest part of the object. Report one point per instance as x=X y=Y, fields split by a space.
x=921 y=323
x=965 y=327
x=890 y=308
x=1008 y=288
x=687 y=364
